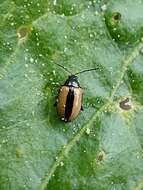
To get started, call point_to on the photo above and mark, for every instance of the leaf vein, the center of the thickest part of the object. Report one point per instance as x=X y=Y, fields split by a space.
x=76 y=138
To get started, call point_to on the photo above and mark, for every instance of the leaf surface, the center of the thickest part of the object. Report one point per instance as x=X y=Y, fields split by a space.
x=103 y=148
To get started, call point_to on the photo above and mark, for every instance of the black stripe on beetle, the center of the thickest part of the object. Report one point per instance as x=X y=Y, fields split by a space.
x=69 y=103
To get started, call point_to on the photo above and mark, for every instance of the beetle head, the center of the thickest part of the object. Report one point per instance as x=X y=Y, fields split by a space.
x=72 y=81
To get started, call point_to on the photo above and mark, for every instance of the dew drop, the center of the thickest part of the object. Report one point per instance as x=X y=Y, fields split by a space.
x=104 y=7
x=65 y=49
x=25 y=58
x=91 y=35
x=137 y=156
x=96 y=12
x=27 y=16
x=83 y=17
x=133 y=80
x=54 y=2
x=64 y=130
x=40 y=55
x=31 y=60
x=27 y=124
x=65 y=37
x=26 y=76
x=61 y=163
x=26 y=65
x=54 y=72
x=12 y=23
x=43 y=64
x=4 y=141
x=88 y=131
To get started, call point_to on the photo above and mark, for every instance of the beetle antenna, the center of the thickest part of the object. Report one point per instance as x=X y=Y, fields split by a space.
x=86 y=71
x=63 y=68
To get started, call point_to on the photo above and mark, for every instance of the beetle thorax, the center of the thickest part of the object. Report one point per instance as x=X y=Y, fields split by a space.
x=72 y=81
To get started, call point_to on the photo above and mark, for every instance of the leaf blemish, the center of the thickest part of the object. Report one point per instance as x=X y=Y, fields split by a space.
x=19 y=152
x=101 y=156
x=23 y=31
x=116 y=17
x=125 y=104
x=141 y=50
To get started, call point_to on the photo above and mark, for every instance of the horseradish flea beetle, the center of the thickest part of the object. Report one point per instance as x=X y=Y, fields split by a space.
x=69 y=101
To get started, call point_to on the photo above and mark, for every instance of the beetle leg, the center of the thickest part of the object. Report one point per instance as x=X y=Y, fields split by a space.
x=82 y=108
x=55 y=104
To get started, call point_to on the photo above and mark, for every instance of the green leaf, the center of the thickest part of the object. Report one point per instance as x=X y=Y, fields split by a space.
x=103 y=148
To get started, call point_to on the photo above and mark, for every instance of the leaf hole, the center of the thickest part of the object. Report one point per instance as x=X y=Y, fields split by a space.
x=125 y=104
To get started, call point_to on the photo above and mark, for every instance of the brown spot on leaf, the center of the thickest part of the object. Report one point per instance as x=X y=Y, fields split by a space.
x=101 y=156
x=23 y=31
x=19 y=152
x=117 y=16
x=125 y=104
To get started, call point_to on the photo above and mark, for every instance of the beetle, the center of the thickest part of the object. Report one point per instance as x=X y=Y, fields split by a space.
x=69 y=101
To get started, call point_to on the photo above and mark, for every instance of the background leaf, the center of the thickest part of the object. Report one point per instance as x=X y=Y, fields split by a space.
x=103 y=148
